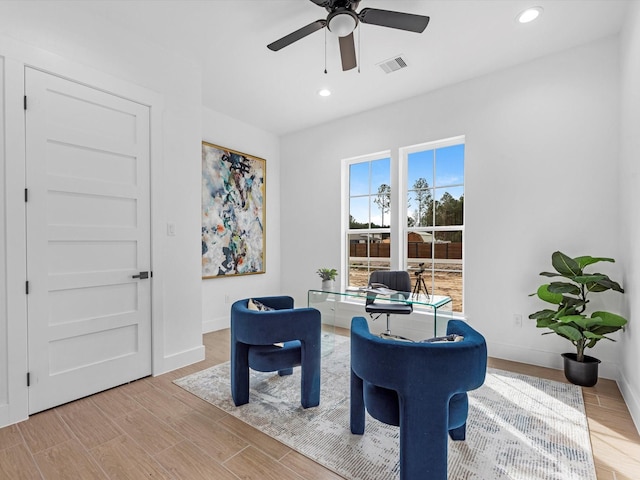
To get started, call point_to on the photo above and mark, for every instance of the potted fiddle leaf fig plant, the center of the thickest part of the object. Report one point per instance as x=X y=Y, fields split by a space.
x=328 y=276
x=568 y=317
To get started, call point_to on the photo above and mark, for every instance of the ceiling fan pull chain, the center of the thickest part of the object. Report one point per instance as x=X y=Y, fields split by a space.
x=359 y=57
x=325 y=51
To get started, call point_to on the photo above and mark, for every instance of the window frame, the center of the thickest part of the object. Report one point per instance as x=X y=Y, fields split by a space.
x=404 y=153
x=398 y=207
x=347 y=231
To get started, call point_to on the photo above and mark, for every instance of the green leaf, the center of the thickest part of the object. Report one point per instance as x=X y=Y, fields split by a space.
x=610 y=319
x=573 y=303
x=545 y=322
x=567 y=331
x=605 y=284
x=570 y=332
x=593 y=336
x=595 y=287
x=577 y=319
x=547 y=296
x=564 y=287
x=586 y=260
x=549 y=274
x=564 y=311
x=593 y=278
x=604 y=330
x=587 y=324
x=542 y=314
x=565 y=265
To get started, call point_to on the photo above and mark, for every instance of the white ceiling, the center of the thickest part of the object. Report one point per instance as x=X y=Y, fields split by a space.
x=277 y=91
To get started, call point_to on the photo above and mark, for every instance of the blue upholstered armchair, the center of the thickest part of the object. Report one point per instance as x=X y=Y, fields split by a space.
x=420 y=387
x=253 y=338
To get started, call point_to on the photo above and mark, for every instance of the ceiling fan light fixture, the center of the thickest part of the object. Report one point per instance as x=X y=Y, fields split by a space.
x=529 y=15
x=342 y=23
x=325 y=92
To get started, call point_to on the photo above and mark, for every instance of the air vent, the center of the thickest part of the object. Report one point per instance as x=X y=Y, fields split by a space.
x=393 y=64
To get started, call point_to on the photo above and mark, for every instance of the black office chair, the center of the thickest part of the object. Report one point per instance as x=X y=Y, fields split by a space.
x=395 y=280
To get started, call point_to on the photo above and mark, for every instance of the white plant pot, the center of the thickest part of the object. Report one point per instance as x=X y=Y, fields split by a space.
x=328 y=285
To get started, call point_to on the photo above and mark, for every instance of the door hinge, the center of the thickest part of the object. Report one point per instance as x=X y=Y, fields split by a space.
x=26 y=287
x=25 y=102
x=28 y=379
x=26 y=195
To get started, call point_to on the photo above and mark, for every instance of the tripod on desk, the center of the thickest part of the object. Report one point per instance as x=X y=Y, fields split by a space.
x=420 y=283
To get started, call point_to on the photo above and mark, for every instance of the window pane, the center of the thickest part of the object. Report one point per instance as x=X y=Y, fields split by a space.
x=359 y=212
x=449 y=282
x=380 y=174
x=450 y=166
x=420 y=166
x=448 y=266
x=367 y=252
x=359 y=179
x=420 y=207
x=449 y=206
x=448 y=246
x=380 y=208
x=435 y=261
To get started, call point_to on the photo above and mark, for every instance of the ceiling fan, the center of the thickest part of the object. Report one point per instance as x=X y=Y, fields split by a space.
x=343 y=19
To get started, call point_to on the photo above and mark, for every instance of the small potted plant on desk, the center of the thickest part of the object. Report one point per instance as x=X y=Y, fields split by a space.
x=568 y=318
x=328 y=276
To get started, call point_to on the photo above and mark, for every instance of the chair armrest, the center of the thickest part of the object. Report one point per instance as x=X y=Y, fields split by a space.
x=279 y=302
x=267 y=327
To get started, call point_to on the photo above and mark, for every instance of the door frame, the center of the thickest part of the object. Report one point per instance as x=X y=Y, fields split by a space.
x=18 y=56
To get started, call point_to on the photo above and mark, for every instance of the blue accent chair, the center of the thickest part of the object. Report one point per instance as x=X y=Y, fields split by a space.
x=420 y=387
x=253 y=335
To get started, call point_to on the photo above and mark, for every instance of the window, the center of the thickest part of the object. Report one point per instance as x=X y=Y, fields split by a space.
x=435 y=217
x=429 y=191
x=368 y=232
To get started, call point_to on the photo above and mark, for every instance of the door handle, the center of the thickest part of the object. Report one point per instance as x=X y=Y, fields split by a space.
x=141 y=275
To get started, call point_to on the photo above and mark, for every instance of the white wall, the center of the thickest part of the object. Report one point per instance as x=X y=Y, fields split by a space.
x=58 y=39
x=541 y=175
x=219 y=293
x=629 y=199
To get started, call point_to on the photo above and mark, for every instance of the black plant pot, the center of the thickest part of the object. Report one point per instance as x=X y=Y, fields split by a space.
x=584 y=373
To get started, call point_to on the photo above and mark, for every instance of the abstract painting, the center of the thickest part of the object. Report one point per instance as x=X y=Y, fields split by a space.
x=233 y=212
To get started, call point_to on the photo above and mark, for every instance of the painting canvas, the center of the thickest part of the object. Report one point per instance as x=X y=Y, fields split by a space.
x=233 y=212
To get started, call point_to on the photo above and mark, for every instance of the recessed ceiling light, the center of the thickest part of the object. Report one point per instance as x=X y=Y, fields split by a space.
x=529 y=15
x=325 y=92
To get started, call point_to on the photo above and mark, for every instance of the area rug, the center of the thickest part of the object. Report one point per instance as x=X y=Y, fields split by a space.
x=519 y=427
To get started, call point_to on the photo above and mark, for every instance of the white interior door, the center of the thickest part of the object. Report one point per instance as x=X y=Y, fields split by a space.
x=88 y=235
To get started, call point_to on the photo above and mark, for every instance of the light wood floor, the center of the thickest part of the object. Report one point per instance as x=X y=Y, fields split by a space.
x=154 y=429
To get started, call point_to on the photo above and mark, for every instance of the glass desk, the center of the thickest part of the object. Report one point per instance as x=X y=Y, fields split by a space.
x=328 y=301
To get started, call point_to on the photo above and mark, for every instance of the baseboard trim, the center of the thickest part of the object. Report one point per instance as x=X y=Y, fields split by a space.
x=541 y=358
x=632 y=399
x=215 y=324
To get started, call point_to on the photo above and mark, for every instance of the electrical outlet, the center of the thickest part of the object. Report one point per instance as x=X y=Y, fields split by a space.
x=517 y=320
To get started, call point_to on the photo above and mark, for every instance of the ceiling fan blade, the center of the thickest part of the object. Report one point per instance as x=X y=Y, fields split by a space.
x=322 y=3
x=399 y=20
x=348 y=52
x=297 y=35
